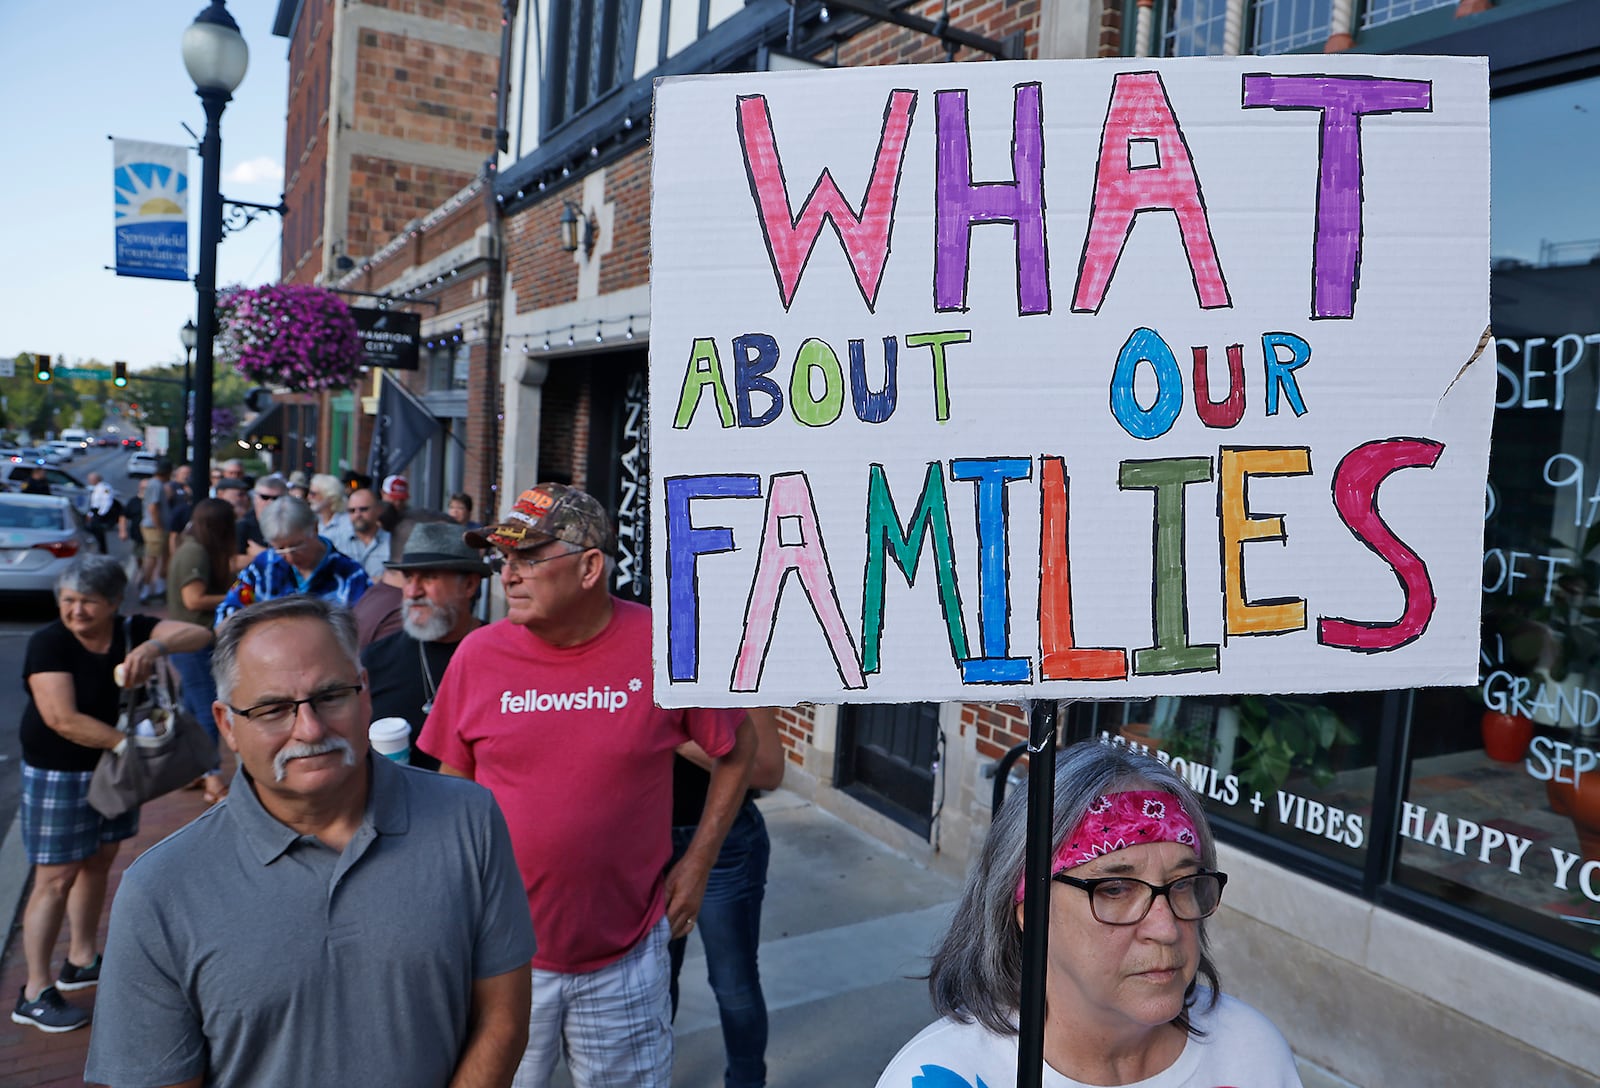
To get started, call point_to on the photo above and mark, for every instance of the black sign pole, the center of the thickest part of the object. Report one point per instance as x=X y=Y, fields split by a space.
x=1036 y=891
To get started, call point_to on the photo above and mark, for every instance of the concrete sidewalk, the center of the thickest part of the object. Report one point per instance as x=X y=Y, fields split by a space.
x=846 y=925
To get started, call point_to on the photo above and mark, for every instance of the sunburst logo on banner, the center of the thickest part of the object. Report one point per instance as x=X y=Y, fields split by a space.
x=147 y=190
x=150 y=209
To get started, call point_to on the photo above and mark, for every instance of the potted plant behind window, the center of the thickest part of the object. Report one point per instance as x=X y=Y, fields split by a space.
x=1281 y=735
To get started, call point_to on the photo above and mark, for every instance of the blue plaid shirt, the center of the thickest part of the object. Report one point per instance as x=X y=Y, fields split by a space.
x=338 y=578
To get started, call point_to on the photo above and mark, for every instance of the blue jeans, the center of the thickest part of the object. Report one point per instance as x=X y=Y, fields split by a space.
x=729 y=925
x=199 y=690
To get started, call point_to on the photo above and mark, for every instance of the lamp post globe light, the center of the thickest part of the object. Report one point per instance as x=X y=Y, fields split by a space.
x=188 y=336
x=216 y=56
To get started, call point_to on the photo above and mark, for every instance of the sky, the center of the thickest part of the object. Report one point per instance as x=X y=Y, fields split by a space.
x=81 y=72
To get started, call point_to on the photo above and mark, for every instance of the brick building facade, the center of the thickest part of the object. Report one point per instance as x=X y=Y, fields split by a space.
x=392 y=122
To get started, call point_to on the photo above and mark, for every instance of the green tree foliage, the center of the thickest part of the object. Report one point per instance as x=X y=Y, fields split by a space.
x=40 y=407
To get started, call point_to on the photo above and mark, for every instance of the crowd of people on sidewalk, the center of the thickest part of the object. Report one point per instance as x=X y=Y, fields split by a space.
x=514 y=882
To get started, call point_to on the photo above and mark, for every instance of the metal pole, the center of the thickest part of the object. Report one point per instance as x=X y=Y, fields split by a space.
x=1036 y=892
x=205 y=281
x=188 y=411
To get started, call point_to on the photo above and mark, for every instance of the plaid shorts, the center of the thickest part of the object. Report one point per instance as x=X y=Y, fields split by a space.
x=614 y=1025
x=58 y=826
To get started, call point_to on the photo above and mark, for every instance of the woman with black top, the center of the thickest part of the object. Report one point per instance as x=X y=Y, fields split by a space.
x=73 y=699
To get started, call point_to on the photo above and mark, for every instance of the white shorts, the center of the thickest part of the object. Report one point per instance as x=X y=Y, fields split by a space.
x=614 y=1025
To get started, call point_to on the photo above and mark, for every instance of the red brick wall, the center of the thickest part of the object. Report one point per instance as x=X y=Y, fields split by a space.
x=796 y=726
x=425 y=93
x=628 y=187
x=999 y=726
x=1111 y=29
x=305 y=152
x=886 y=43
x=471 y=14
x=536 y=268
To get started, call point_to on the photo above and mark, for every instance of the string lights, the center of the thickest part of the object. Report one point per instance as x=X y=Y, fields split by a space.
x=622 y=328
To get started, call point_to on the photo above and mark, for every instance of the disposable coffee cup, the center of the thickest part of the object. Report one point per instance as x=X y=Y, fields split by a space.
x=391 y=738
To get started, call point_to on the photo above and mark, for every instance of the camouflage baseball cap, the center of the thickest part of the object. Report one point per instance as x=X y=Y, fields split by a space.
x=549 y=512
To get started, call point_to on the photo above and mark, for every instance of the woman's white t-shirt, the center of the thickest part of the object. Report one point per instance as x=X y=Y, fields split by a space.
x=1240 y=1049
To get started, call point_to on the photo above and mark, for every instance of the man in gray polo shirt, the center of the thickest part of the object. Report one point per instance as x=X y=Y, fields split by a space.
x=339 y=919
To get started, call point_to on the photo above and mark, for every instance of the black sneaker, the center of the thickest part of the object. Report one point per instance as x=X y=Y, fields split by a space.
x=74 y=977
x=48 y=1012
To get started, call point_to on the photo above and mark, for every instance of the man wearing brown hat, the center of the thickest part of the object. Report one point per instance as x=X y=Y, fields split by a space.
x=442 y=576
x=552 y=709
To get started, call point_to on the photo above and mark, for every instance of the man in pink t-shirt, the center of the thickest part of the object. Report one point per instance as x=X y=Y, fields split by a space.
x=551 y=709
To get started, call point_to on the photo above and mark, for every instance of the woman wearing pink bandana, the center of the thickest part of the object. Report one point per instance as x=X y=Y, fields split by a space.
x=1134 y=878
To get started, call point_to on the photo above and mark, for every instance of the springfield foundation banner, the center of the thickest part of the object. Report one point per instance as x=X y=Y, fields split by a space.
x=1069 y=379
x=151 y=209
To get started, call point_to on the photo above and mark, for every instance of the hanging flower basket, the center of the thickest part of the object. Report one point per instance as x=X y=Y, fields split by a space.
x=291 y=335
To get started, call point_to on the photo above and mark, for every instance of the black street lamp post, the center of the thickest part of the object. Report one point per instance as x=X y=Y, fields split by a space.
x=189 y=335
x=216 y=56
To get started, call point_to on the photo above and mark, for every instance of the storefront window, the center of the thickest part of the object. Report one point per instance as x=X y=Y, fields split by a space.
x=1300 y=769
x=1502 y=809
x=448 y=367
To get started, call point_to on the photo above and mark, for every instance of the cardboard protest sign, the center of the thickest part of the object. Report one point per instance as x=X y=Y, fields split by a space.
x=1069 y=378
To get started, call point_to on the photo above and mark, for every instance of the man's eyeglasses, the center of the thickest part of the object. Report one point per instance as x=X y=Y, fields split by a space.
x=358 y=509
x=519 y=566
x=266 y=497
x=279 y=716
x=1125 y=900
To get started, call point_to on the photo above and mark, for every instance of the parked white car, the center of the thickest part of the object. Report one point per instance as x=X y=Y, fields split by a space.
x=39 y=536
x=141 y=464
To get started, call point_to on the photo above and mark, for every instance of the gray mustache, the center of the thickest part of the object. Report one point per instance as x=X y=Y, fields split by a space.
x=300 y=750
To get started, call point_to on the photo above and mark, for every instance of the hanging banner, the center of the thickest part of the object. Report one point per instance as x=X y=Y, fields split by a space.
x=1064 y=379
x=402 y=426
x=389 y=338
x=152 y=209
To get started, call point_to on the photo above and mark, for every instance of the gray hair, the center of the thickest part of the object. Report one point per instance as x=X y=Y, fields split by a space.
x=286 y=517
x=296 y=606
x=977 y=968
x=100 y=575
x=324 y=486
x=273 y=482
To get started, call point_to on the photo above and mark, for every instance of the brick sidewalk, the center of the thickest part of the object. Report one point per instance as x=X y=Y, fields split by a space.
x=30 y=1058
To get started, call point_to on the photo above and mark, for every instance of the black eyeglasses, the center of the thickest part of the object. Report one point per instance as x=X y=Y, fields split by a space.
x=280 y=715
x=1125 y=900
x=519 y=566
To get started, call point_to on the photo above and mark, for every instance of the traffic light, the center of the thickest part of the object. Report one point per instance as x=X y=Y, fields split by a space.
x=119 y=375
x=41 y=368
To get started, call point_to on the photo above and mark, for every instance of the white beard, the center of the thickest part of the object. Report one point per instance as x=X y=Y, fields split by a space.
x=427 y=622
